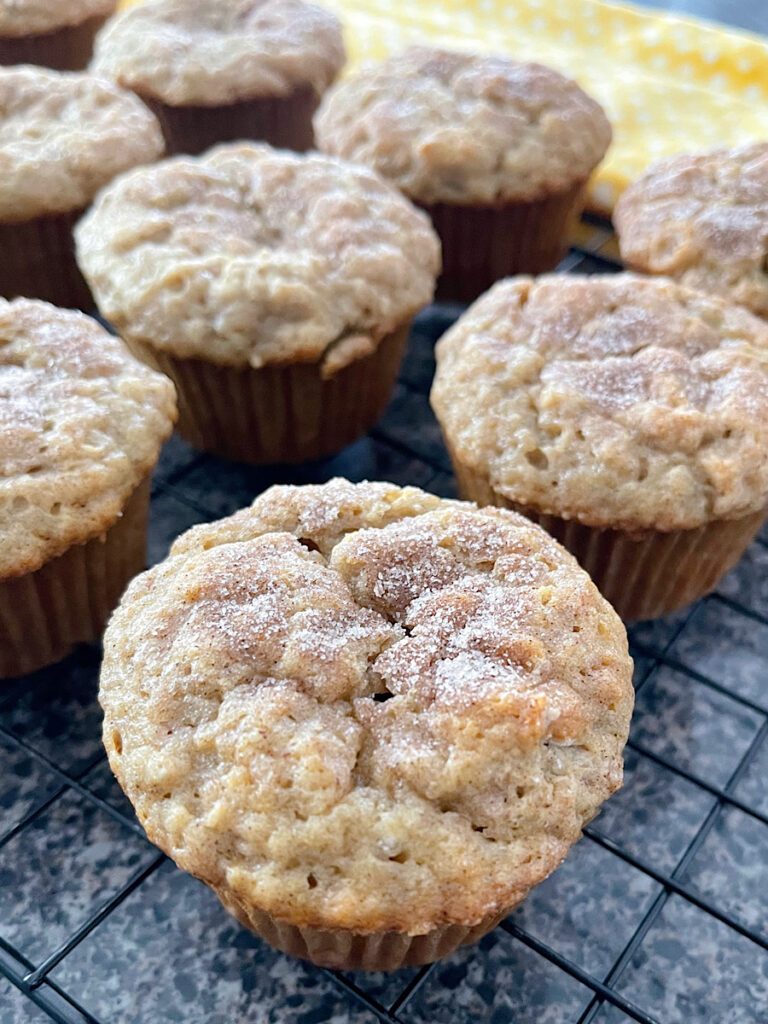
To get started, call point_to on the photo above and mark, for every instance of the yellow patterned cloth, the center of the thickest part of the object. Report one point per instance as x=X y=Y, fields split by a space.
x=668 y=84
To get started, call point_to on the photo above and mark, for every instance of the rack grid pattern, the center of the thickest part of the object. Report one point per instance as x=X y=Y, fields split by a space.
x=659 y=915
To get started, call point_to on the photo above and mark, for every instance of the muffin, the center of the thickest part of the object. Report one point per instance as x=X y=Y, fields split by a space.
x=62 y=136
x=702 y=219
x=276 y=290
x=370 y=719
x=81 y=425
x=626 y=415
x=56 y=33
x=216 y=71
x=498 y=154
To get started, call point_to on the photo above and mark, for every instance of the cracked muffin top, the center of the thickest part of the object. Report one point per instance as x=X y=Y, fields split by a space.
x=250 y=255
x=63 y=135
x=361 y=706
x=81 y=423
x=215 y=52
x=34 y=17
x=457 y=128
x=621 y=401
x=702 y=218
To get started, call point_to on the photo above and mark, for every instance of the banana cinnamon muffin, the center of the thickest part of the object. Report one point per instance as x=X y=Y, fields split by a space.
x=702 y=218
x=276 y=290
x=216 y=71
x=369 y=718
x=62 y=136
x=81 y=425
x=56 y=33
x=627 y=415
x=496 y=151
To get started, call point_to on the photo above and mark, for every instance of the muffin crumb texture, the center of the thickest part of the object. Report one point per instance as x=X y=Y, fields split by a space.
x=35 y=17
x=703 y=219
x=81 y=424
x=458 y=128
x=251 y=256
x=625 y=402
x=364 y=707
x=210 y=52
x=63 y=135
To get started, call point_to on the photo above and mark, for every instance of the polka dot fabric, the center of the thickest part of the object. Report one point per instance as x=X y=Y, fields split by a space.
x=668 y=84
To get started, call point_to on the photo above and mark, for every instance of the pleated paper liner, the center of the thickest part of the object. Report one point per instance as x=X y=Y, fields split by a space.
x=279 y=413
x=283 y=121
x=68 y=600
x=344 y=950
x=38 y=260
x=483 y=244
x=65 y=49
x=643 y=575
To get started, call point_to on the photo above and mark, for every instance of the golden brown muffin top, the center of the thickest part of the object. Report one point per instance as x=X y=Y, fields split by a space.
x=214 y=52
x=457 y=128
x=81 y=423
x=62 y=136
x=620 y=401
x=34 y=17
x=242 y=689
x=250 y=255
x=702 y=218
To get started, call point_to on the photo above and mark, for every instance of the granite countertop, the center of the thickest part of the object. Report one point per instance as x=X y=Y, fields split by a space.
x=662 y=907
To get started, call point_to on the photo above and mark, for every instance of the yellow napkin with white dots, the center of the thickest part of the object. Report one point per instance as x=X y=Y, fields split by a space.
x=668 y=84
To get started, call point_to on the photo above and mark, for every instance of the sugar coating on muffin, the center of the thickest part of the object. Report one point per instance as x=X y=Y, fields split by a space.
x=453 y=127
x=622 y=401
x=210 y=53
x=63 y=136
x=242 y=689
x=34 y=17
x=250 y=255
x=702 y=218
x=81 y=423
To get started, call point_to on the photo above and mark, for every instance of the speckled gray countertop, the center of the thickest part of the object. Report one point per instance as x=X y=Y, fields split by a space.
x=659 y=914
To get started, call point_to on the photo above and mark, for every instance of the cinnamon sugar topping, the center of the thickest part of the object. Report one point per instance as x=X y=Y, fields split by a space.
x=249 y=256
x=211 y=52
x=702 y=218
x=465 y=128
x=620 y=401
x=63 y=136
x=81 y=424
x=414 y=702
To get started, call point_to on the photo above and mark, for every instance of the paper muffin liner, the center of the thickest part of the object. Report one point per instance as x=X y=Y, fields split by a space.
x=482 y=244
x=66 y=49
x=38 y=260
x=345 y=950
x=67 y=601
x=643 y=575
x=279 y=413
x=283 y=121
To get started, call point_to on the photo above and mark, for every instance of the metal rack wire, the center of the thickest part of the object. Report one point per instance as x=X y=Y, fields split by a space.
x=38 y=985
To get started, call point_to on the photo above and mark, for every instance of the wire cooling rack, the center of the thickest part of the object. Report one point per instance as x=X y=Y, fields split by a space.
x=660 y=914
